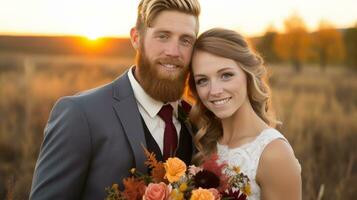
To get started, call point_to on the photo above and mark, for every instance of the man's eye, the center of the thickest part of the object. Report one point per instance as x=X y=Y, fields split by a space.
x=187 y=42
x=163 y=36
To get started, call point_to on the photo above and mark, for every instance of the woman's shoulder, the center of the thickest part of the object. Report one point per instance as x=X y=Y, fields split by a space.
x=265 y=138
x=271 y=134
x=278 y=167
x=277 y=148
x=278 y=157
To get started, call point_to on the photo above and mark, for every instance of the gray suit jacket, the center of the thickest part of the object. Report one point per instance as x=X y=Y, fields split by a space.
x=91 y=141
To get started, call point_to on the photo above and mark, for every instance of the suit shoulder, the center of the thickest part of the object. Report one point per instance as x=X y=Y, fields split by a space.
x=105 y=89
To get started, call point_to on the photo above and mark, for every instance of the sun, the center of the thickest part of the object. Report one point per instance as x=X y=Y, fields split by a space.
x=92 y=37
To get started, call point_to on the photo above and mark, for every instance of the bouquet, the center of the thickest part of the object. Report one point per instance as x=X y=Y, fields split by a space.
x=173 y=180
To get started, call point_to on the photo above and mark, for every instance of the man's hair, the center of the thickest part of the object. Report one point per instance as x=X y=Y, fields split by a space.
x=149 y=9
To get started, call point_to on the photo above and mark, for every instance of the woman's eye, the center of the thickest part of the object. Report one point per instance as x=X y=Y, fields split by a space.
x=200 y=82
x=226 y=76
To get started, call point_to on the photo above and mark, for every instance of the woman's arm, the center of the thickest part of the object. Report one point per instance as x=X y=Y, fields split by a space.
x=279 y=173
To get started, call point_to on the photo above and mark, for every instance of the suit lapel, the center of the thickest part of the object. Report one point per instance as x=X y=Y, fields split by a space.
x=186 y=146
x=184 y=110
x=129 y=116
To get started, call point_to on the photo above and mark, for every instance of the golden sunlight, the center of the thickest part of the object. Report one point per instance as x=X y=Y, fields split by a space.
x=92 y=36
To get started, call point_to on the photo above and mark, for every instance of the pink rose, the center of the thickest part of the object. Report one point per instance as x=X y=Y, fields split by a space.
x=157 y=191
x=193 y=170
x=215 y=193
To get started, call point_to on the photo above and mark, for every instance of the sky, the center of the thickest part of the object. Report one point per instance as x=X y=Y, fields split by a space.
x=114 y=18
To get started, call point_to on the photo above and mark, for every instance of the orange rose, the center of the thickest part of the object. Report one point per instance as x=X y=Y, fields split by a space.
x=157 y=191
x=215 y=193
x=202 y=194
x=175 y=169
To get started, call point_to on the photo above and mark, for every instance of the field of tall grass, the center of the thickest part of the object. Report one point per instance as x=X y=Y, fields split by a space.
x=318 y=111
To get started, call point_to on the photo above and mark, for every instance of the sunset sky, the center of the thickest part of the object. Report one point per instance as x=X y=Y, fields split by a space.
x=114 y=18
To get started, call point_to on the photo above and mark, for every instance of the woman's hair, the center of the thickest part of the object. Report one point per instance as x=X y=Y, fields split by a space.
x=229 y=44
x=149 y=9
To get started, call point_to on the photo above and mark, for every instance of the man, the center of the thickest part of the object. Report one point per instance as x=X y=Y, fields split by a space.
x=93 y=139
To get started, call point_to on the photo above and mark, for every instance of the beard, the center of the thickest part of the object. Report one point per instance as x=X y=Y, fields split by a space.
x=165 y=87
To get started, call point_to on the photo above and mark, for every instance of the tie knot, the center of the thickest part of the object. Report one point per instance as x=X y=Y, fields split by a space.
x=166 y=113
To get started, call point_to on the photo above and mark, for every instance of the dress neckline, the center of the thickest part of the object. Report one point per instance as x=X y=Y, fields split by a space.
x=245 y=144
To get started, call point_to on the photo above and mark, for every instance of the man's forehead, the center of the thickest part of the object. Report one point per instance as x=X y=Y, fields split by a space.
x=173 y=32
x=175 y=22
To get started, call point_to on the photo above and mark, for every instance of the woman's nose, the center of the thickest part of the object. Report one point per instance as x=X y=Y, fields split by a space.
x=216 y=89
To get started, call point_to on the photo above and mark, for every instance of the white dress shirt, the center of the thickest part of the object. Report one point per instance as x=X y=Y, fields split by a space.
x=149 y=109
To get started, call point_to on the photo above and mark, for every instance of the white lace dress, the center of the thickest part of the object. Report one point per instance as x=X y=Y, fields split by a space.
x=247 y=156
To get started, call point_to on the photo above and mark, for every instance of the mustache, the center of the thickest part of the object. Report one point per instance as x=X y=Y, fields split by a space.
x=172 y=61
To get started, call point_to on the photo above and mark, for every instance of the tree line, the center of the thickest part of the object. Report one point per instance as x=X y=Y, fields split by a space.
x=296 y=45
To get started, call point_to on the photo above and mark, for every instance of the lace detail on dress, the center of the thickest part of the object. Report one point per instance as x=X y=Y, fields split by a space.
x=247 y=156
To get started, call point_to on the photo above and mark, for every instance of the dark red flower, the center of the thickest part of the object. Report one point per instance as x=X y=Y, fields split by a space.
x=234 y=195
x=206 y=179
x=212 y=165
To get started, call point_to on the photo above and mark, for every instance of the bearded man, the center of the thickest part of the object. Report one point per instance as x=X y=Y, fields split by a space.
x=93 y=139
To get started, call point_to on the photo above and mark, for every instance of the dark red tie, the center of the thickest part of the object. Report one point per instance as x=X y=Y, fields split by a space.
x=170 y=134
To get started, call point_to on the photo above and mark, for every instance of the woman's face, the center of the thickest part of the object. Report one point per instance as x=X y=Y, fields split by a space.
x=220 y=83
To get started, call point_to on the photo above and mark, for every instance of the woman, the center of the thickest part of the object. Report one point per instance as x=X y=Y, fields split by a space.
x=234 y=117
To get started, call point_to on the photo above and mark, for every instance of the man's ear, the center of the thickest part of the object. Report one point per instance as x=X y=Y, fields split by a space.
x=135 y=38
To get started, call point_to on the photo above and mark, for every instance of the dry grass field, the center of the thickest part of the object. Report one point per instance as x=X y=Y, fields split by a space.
x=318 y=111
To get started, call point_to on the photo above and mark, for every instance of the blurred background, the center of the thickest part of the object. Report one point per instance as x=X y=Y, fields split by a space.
x=50 y=49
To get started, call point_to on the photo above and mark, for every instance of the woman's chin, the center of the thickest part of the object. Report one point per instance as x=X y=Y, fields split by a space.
x=222 y=114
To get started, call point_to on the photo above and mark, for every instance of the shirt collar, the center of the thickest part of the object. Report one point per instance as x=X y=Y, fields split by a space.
x=150 y=105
